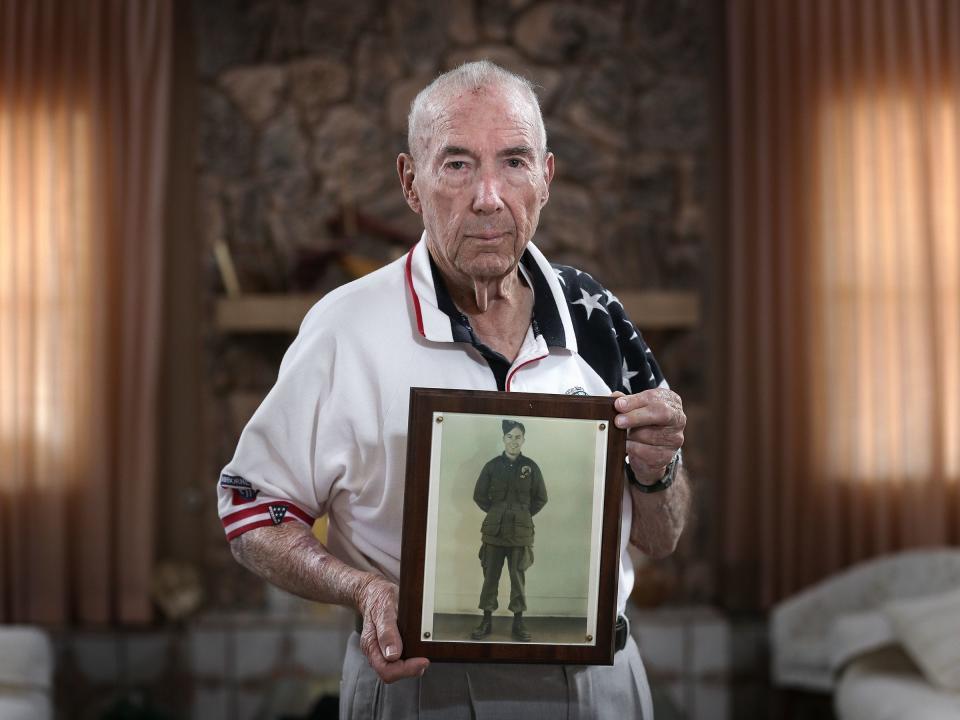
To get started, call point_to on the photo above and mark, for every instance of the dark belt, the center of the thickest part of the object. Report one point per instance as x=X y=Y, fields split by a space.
x=621 y=631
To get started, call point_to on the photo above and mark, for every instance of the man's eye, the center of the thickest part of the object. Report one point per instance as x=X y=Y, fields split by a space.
x=515 y=162
x=456 y=164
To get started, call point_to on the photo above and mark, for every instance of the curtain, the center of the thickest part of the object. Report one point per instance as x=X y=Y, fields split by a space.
x=841 y=427
x=83 y=122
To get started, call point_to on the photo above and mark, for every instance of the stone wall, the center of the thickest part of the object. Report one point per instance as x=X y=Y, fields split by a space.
x=303 y=108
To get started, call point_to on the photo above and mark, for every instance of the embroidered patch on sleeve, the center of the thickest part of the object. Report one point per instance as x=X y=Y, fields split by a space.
x=234 y=481
x=242 y=497
x=277 y=512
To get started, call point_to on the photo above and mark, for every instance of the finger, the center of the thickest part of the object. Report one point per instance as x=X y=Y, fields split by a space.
x=388 y=636
x=398 y=669
x=649 y=456
x=669 y=436
x=389 y=670
x=368 y=642
x=380 y=636
x=380 y=617
x=625 y=403
x=657 y=414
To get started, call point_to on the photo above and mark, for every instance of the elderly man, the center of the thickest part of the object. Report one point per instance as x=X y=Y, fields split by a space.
x=473 y=305
x=510 y=491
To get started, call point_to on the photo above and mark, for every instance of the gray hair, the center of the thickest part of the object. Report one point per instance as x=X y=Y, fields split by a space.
x=468 y=77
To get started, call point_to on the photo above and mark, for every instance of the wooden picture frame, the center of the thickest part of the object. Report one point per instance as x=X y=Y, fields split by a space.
x=572 y=567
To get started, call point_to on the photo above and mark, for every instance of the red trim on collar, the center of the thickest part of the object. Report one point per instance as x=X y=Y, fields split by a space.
x=514 y=371
x=413 y=293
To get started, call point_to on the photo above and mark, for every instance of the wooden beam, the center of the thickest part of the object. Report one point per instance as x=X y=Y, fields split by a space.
x=661 y=309
x=263 y=313
x=283 y=313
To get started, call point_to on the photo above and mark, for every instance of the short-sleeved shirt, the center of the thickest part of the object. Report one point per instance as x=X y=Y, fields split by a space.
x=331 y=435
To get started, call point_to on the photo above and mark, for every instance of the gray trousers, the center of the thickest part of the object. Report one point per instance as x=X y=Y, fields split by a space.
x=469 y=691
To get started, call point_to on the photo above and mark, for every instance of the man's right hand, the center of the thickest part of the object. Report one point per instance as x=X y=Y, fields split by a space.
x=380 y=640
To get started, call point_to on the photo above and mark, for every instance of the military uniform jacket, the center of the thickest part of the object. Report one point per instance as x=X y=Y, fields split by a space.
x=511 y=492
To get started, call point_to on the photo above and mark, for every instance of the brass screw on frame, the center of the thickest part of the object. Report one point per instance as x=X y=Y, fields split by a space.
x=603 y=426
x=589 y=638
x=440 y=419
x=426 y=635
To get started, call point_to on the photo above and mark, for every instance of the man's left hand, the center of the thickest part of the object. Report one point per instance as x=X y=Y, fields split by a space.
x=654 y=421
x=380 y=640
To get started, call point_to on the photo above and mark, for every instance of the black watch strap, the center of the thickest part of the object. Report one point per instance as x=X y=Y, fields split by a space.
x=669 y=475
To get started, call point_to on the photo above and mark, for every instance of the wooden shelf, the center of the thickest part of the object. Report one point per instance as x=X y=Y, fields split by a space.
x=283 y=313
x=661 y=309
x=280 y=312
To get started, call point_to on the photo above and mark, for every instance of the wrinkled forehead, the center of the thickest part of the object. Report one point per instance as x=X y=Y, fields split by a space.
x=480 y=116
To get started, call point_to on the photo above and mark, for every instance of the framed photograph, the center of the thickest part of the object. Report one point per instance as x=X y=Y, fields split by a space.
x=511 y=527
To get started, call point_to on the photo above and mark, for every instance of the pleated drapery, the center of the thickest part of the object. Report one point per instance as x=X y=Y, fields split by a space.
x=84 y=90
x=842 y=407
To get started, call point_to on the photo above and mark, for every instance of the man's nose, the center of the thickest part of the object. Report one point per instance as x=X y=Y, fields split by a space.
x=487 y=200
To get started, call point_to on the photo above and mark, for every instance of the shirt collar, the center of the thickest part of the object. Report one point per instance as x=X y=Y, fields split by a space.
x=438 y=320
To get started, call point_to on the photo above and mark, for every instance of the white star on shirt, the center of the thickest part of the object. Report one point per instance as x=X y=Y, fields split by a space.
x=628 y=374
x=611 y=298
x=560 y=277
x=590 y=302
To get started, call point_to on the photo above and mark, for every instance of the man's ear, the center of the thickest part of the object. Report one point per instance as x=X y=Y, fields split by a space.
x=407 y=171
x=548 y=167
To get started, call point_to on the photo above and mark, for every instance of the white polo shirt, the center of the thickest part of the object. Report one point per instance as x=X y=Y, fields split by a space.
x=331 y=435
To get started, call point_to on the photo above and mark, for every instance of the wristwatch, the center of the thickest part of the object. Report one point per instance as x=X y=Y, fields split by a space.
x=669 y=475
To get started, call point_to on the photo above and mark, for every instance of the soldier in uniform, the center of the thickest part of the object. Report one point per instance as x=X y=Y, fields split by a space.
x=510 y=491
